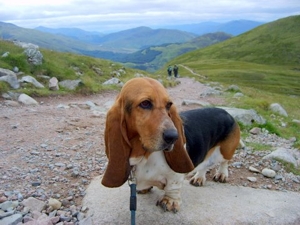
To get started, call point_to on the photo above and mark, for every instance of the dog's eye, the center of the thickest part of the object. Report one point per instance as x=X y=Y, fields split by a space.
x=168 y=106
x=146 y=104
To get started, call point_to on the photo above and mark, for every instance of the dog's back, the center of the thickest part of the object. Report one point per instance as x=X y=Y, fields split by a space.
x=204 y=128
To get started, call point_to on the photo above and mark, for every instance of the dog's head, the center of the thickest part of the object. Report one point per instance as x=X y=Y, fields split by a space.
x=142 y=120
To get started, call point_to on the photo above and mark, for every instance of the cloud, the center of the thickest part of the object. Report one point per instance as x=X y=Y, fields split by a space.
x=123 y=14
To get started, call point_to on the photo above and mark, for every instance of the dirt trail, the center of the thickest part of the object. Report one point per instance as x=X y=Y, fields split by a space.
x=57 y=148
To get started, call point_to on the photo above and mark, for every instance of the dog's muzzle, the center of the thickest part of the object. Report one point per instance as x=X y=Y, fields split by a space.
x=170 y=136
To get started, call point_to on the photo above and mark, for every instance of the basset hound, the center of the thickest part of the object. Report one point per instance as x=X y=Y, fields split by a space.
x=145 y=135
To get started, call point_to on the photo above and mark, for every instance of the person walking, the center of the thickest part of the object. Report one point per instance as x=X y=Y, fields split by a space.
x=170 y=70
x=175 y=70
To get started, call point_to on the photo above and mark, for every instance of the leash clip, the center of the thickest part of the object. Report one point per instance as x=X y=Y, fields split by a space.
x=131 y=178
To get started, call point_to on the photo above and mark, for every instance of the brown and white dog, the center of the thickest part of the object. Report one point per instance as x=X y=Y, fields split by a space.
x=144 y=133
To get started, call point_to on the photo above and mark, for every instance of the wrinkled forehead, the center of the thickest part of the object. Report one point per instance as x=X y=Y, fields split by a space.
x=139 y=89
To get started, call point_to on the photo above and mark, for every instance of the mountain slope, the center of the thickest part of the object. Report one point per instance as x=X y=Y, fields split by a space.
x=266 y=58
x=273 y=43
x=75 y=33
x=155 y=57
x=143 y=37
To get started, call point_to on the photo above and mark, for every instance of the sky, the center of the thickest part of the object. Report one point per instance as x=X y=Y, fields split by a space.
x=115 y=15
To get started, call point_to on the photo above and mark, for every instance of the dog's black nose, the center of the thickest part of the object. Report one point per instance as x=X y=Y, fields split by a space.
x=170 y=136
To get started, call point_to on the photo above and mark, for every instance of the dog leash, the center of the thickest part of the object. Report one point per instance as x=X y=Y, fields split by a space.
x=132 y=203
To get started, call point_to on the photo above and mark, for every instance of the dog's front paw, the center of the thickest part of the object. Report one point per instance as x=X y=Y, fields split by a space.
x=220 y=177
x=197 y=181
x=169 y=204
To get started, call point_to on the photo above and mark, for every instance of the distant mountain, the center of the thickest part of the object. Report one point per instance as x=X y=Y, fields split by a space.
x=143 y=37
x=61 y=43
x=154 y=57
x=234 y=27
x=78 y=34
x=72 y=40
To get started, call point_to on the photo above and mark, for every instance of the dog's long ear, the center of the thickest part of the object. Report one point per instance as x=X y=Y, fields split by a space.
x=117 y=147
x=178 y=159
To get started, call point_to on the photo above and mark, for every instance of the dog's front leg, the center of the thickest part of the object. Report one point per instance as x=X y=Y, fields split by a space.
x=171 y=200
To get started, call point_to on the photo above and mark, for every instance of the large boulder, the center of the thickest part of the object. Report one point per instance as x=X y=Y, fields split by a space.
x=9 y=77
x=27 y=100
x=32 y=80
x=277 y=108
x=34 y=56
x=70 y=84
x=112 y=81
x=245 y=116
x=53 y=84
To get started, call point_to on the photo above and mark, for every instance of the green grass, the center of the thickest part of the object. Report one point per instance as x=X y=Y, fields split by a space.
x=66 y=66
x=259 y=146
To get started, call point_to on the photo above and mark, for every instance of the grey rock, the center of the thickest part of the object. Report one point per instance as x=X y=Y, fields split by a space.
x=253 y=169
x=237 y=164
x=109 y=104
x=44 y=77
x=11 y=95
x=233 y=87
x=6 y=214
x=27 y=100
x=268 y=173
x=277 y=108
x=36 y=183
x=9 y=77
x=34 y=204
x=34 y=56
x=296 y=121
x=113 y=81
x=16 y=69
x=54 y=203
x=32 y=80
x=287 y=155
x=255 y=130
x=195 y=102
x=25 y=45
x=61 y=106
x=245 y=116
x=70 y=84
x=9 y=205
x=12 y=220
x=238 y=95
x=90 y=104
x=5 y=54
x=53 y=84
x=252 y=179
x=210 y=91
x=11 y=103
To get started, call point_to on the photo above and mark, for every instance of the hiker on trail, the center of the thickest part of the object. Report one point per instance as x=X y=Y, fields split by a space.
x=175 y=70
x=170 y=70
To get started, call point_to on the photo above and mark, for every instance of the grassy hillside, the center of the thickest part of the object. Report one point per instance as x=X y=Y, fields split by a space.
x=62 y=66
x=267 y=58
x=275 y=43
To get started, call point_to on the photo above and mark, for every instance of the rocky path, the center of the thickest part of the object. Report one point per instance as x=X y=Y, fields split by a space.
x=54 y=150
